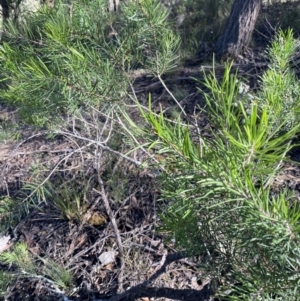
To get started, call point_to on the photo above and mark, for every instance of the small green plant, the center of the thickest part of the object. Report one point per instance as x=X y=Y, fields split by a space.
x=50 y=272
x=70 y=203
x=13 y=209
x=9 y=133
x=57 y=273
x=20 y=257
x=118 y=182
x=9 y=127
x=5 y=280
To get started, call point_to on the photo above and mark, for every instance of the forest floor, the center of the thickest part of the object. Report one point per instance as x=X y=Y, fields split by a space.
x=128 y=261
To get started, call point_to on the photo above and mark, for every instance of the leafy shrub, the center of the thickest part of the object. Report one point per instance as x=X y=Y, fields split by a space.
x=221 y=203
x=73 y=55
x=280 y=88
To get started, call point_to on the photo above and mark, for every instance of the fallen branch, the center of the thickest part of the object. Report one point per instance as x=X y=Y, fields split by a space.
x=143 y=289
x=170 y=293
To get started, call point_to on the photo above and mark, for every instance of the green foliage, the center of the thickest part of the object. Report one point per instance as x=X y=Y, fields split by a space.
x=68 y=198
x=57 y=273
x=73 y=55
x=70 y=202
x=9 y=212
x=20 y=257
x=50 y=272
x=13 y=209
x=221 y=202
x=8 y=133
x=5 y=279
x=280 y=91
x=9 y=130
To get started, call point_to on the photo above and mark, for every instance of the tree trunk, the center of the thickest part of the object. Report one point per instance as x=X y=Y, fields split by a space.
x=113 y=5
x=238 y=29
x=5 y=10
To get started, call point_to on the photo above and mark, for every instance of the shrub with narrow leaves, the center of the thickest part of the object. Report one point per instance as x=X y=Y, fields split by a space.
x=221 y=204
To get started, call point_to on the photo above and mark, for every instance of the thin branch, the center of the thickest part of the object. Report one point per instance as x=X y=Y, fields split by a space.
x=116 y=230
x=52 y=283
x=142 y=290
x=67 y=150
x=137 y=143
x=102 y=145
x=53 y=170
x=171 y=94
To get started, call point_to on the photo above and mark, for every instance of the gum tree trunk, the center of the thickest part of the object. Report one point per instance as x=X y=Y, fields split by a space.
x=5 y=10
x=10 y=8
x=238 y=29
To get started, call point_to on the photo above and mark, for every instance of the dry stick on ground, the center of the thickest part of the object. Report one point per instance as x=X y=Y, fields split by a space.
x=101 y=145
x=116 y=230
x=143 y=289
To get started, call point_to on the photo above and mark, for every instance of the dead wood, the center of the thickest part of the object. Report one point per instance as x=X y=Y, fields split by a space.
x=143 y=290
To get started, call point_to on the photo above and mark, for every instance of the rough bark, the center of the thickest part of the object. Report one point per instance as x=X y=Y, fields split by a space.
x=238 y=29
x=113 y=5
x=5 y=10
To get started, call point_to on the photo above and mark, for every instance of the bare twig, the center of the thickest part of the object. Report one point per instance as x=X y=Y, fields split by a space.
x=137 y=143
x=52 y=283
x=53 y=170
x=171 y=94
x=84 y=251
x=102 y=145
x=103 y=193
x=142 y=290
x=29 y=138
x=41 y=151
